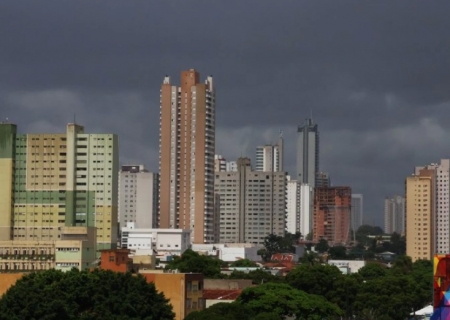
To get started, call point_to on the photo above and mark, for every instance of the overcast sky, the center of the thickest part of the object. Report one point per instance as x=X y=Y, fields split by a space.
x=376 y=75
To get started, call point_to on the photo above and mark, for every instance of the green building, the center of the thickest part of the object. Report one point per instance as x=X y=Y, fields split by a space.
x=48 y=181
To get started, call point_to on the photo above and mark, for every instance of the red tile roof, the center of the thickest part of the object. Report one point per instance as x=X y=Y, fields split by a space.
x=213 y=294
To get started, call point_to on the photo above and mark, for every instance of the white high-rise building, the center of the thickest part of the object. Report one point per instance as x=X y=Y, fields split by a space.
x=306 y=209
x=394 y=215
x=357 y=212
x=299 y=207
x=440 y=206
x=308 y=153
x=292 y=206
x=270 y=157
x=138 y=196
x=220 y=163
x=231 y=166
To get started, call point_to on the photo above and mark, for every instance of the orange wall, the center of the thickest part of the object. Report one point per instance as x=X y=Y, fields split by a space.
x=7 y=280
x=120 y=262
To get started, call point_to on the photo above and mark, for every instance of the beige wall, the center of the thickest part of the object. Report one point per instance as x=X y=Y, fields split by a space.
x=419 y=215
x=6 y=176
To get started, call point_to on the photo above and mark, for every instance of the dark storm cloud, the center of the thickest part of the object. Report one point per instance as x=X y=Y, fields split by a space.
x=376 y=76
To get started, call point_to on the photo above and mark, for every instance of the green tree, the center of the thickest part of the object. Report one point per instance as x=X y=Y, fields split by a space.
x=191 y=261
x=318 y=279
x=258 y=276
x=278 y=244
x=338 y=252
x=283 y=300
x=372 y=270
x=54 y=295
x=223 y=311
x=243 y=263
x=402 y=265
x=390 y=297
x=310 y=258
x=364 y=231
x=322 y=246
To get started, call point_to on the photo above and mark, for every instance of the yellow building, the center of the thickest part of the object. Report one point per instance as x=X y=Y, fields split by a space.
x=419 y=214
x=184 y=290
x=53 y=180
x=76 y=248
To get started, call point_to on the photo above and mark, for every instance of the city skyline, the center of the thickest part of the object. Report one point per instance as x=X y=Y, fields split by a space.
x=375 y=80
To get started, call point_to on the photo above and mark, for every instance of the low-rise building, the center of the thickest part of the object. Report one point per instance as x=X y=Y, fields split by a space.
x=117 y=260
x=348 y=266
x=184 y=290
x=230 y=252
x=160 y=241
x=75 y=249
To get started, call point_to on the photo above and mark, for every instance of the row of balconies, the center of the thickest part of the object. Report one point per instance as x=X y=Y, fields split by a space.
x=26 y=257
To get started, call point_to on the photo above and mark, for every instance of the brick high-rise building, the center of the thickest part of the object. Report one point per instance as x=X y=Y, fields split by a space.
x=332 y=213
x=187 y=146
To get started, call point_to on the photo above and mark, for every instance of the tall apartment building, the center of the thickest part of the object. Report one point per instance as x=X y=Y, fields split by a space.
x=270 y=157
x=332 y=213
x=54 y=180
x=438 y=206
x=231 y=166
x=187 y=146
x=299 y=207
x=220 y=163
x=357 y=211
x=419 y=214
x=252 y=204
x=138 y=196
x=394 y=215
x=308 y=153
x=323 y=180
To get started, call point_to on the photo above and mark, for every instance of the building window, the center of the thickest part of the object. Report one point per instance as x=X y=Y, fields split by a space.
x=111 y=258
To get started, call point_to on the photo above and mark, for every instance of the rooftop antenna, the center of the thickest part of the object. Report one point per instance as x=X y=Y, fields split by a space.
x=281 y=133
x=74 y=118
x=311 y=114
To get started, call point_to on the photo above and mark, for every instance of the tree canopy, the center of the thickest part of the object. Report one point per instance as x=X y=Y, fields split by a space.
x=270 y=301
x=55 y=295
x=278 y=244
x=191 y=261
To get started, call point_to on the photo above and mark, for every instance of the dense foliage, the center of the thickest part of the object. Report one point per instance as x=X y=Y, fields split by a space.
x=54 y=295
x=191 y=261
x=375 y=292
x=278 y=244
x=271 y=301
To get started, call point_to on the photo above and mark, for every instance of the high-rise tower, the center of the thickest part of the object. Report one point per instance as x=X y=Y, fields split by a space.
x=49 y=181
x=308 y=153
x=187 y=146
x=269 y=158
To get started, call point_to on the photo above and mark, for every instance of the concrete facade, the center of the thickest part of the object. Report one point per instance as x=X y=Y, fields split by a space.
x=184 y=291
x=348 y=266
x=160 y=241
x=75 y=249
x=270 y=157
x=357 y=211
x=229 y=252
x=419 y=214
x=187 y=146
x=252 y=204
x=55 y=180
x=138 y=196
x=394 y=215
x=308 y=153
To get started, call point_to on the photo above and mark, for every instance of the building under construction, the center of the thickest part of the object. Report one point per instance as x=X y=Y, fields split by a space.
x=332 y=212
